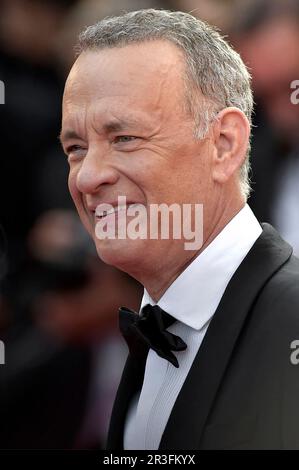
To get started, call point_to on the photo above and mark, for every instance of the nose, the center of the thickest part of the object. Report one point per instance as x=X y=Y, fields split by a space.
x=94 y=172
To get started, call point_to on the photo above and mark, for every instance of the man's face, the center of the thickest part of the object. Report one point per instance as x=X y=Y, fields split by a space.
x=127 y=133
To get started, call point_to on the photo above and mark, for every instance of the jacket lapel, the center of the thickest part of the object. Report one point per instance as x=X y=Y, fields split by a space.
x=190 y=412
x=131 y=381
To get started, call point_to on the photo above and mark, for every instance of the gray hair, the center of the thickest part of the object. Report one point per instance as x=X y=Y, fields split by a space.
x=212 y=65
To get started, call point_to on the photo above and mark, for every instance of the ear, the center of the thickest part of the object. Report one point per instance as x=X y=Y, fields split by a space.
x=231 y=137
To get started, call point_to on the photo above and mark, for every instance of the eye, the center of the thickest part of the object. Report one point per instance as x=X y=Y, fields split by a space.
x=72 y=148
x=75 y=151
x=124 y=138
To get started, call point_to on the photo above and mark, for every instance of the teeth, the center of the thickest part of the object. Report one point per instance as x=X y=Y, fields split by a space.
x=113 y=210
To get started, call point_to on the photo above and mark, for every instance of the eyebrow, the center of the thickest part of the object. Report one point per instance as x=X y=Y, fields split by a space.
x=116 y=125
x=67 y=135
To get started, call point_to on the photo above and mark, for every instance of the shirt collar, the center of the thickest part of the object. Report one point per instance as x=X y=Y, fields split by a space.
x=194 y=295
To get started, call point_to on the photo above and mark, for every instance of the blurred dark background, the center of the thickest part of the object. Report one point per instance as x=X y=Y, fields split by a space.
x=58 y=301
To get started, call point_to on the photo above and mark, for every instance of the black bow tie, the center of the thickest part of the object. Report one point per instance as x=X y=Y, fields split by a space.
x=150 y=328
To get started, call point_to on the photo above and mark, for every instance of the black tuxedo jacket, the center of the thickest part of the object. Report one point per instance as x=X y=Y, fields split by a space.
x=242 y=391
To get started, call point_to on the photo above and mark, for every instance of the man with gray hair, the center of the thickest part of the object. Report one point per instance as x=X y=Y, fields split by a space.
x=157 y=111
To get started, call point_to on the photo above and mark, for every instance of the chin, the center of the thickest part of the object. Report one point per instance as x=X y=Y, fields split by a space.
x=125 y=255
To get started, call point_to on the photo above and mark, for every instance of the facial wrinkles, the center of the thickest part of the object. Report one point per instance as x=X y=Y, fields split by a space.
x=163 y=90
x=74 y=115
x=161 y=106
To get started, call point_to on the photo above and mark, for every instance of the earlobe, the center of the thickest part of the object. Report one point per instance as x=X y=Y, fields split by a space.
x=231 y=137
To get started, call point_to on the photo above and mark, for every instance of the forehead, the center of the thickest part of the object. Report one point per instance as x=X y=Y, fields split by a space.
x=150 y=73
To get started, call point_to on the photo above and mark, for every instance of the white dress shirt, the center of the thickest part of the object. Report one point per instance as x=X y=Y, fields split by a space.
x=192 y=299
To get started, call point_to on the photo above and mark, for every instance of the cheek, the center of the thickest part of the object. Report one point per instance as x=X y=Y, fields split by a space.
x=72 y=186
x=75 y=193
x=77 y=198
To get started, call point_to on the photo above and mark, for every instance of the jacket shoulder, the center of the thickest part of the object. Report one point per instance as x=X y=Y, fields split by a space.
x=280 y=295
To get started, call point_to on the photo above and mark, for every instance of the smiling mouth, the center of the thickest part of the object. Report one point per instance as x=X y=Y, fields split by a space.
x=101 y=214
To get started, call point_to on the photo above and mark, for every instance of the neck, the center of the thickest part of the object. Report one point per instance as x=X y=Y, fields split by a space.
x=157 y=284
